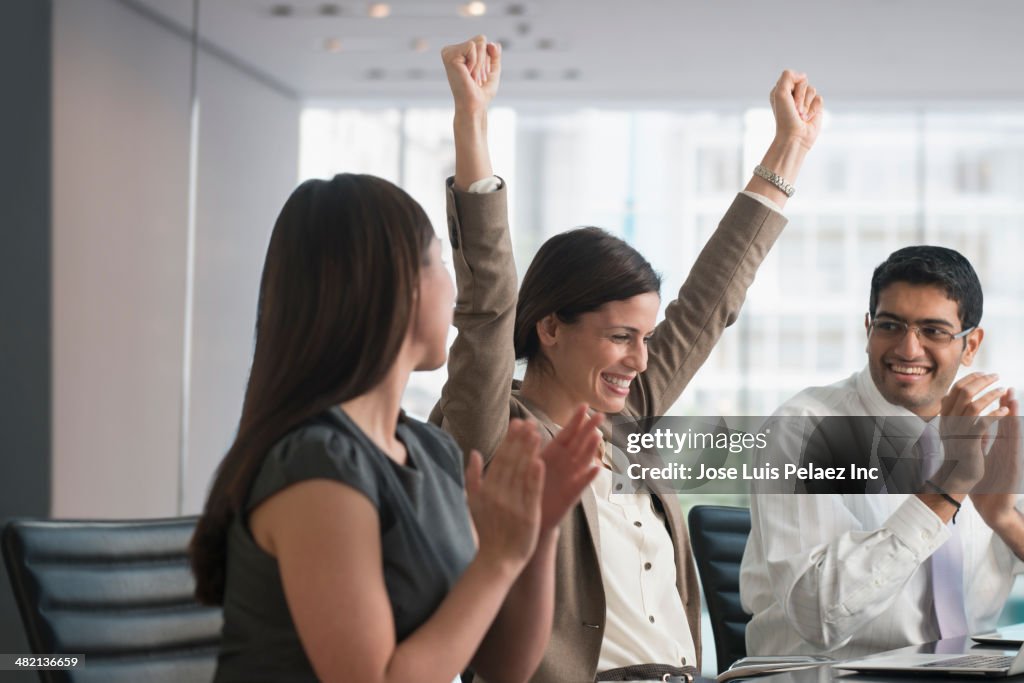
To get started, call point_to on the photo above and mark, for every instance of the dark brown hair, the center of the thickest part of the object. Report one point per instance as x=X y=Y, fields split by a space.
x=336 y=298
x=576 y=272
x=928 y=265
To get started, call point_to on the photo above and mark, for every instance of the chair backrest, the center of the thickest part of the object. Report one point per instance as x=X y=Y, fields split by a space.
x=719 y=535
x=119 y=593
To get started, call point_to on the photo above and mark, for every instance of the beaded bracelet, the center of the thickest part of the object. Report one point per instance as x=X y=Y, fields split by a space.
x=948 y=498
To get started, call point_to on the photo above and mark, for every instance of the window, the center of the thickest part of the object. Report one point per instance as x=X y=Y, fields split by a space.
x=662 y=179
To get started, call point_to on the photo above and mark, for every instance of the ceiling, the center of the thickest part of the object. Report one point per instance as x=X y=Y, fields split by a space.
x=644 y=51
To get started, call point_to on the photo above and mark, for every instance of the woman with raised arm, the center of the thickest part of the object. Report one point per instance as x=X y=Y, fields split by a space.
x=627 y=603
x=336 y=533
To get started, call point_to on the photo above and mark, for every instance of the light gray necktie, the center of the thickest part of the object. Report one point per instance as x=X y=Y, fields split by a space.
x=947 y=563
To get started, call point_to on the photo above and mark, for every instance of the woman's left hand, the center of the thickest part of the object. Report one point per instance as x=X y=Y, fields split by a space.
x=570 y=464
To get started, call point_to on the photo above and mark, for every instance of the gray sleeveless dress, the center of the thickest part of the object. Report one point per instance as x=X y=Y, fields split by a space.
x=426 y=538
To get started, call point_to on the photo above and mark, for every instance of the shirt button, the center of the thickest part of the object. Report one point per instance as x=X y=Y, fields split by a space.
x=652 y=619
x=925 y=535
x=647 y=565
x=618 y=487
x=637 y=524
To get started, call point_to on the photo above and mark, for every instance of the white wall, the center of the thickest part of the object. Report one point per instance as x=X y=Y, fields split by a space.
x=248 y=165
x=121 y=134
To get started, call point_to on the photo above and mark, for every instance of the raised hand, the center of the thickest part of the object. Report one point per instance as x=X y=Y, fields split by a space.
x=798 y=114
x=474 y=70
x=570 y=464
x=797 y=107
x=963 y=428
x=506 y=503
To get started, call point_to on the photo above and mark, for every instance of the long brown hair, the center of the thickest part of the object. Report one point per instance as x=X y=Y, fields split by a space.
x=336 y=298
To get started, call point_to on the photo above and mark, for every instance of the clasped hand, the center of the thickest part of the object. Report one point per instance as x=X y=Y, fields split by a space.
x=976 y=462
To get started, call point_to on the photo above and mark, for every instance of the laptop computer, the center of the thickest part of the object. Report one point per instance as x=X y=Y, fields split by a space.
x=1011 y=635
x=981 y=662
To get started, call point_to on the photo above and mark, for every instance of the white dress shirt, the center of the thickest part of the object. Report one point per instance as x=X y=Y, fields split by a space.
x=645 y=622
x=845 y=574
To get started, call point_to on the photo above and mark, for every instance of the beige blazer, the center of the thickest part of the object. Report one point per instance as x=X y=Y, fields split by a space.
x=480 y=397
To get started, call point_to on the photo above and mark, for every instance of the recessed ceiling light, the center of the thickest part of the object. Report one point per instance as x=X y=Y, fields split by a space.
x=330 y=10
x=516 y=10
x=420 y=45
x=332 y=45
x=473 y=9
x=505 y=43
x=572 y=74
x=531 y=74
x=523 y=28
x=545 y=44
x=375 y=74
x=281 y=10
x=379 y=10
x=414 y=74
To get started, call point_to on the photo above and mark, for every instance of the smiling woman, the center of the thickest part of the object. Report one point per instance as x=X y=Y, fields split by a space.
x=592 y=357
x=592 y=327
x=585 y=323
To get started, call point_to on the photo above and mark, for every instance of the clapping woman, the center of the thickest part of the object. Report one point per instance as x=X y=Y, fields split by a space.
x=337 y=534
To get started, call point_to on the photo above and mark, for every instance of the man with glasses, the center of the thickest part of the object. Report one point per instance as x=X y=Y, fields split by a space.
x=867 y=566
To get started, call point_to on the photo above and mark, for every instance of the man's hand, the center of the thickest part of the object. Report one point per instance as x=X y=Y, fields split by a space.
x=963 y=428
x=995 y=496
x=474 y=70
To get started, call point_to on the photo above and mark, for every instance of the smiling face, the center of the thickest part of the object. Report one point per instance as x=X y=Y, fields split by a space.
x=908 y=372
x=595 y=359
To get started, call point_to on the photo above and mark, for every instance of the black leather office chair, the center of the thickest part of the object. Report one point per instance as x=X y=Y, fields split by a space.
x=119 y=593
x=719 y=535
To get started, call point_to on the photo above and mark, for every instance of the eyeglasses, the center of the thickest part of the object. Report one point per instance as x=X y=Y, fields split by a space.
x=927 y=334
